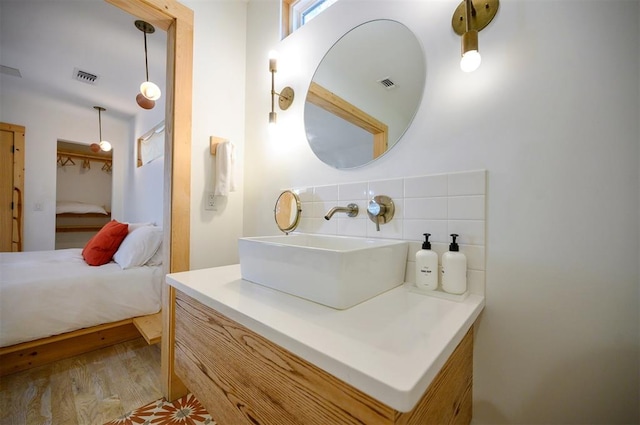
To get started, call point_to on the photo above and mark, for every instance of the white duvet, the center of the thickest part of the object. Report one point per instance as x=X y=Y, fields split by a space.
x=44 y=293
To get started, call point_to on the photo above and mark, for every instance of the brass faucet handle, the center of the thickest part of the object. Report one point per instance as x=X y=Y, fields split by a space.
x=380 y=210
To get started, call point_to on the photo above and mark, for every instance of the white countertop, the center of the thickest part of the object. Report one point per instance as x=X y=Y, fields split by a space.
x=389 y=347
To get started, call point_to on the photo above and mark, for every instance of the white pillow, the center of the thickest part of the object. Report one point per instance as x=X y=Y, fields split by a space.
x=74 y=207
x=134 y=226
x=138 y=247
x=157 y=258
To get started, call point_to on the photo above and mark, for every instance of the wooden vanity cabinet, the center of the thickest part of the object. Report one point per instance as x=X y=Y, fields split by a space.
x=242 y=378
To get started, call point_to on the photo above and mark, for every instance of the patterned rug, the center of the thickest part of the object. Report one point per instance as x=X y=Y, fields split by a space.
x=184 y=411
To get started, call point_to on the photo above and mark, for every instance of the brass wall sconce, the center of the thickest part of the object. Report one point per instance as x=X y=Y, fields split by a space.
x=285 y=97
x=149 y=91
x=102 y=145
x=470 y=17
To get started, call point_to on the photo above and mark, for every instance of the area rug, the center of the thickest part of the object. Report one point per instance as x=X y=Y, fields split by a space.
x=184 y=411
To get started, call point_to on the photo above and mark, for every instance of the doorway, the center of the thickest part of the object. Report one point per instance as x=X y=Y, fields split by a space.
x=83 y=193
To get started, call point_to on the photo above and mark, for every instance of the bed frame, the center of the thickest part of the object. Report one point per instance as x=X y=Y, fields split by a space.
x=90 y=222
x=19 y=357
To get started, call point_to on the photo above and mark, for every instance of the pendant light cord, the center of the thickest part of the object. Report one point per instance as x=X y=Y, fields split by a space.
x=146 y=62
x=100 y=125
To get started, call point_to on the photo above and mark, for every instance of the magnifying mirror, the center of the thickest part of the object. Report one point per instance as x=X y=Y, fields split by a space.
x=287 y=211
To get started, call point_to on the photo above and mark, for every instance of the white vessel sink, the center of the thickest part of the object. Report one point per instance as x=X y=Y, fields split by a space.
x=336 y=271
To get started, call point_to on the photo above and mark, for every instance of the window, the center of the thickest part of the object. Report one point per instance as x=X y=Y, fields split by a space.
x=296 y=13
x=151 y=145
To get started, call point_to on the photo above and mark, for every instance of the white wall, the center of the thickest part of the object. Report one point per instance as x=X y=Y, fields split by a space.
x=47 y=120
x=218 y=110
x=552 y=115
x=144 y=191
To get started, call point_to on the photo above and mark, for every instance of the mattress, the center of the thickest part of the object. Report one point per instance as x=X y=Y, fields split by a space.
x=45 y=293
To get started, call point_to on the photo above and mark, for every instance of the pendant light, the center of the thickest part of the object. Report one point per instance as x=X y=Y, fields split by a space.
x=149 y=92
x=102 y=145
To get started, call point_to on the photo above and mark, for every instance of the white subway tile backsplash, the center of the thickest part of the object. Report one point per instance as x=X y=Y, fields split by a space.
x=391 y=230
x=415 y=229
x=327 y=227
x=319 y=209
x=467 y=183
x=353 y=191
x=304 y=193
x=392 y=188
x=438 y=204
x=475 y=256
x=476 y=281
x=326 y=193
x=426 y=208
x=352 y=227
x=466 y=207
x=471 y=232
x=425 y=186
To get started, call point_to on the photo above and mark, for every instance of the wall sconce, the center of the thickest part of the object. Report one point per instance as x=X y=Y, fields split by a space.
x=470 y=17
x=149 y=92
x=285 y=97
x=102 y=145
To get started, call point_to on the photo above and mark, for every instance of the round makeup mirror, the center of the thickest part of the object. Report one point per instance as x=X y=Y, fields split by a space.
x=287 y=211
x=364 y=94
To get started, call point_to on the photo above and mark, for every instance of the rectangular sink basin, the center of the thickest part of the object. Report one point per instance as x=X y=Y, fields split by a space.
x=336 y=271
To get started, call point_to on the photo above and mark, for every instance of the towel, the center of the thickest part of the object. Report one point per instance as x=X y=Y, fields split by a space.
x=225 y=162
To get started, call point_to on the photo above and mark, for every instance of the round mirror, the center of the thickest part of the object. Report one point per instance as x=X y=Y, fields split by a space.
x=364 y=94
x=287 y=211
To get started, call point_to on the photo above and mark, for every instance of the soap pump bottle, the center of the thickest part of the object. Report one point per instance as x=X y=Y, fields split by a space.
x=426 y=266
x=454 y=269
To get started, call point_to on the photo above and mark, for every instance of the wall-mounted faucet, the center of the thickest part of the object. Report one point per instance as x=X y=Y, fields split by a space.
x=351 y=210
x=380 y=210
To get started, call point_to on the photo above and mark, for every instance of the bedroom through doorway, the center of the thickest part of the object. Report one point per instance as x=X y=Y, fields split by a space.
x=83 y=193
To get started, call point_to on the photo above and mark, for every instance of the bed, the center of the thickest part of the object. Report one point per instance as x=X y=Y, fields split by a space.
x=52 y=296
x=75 y=216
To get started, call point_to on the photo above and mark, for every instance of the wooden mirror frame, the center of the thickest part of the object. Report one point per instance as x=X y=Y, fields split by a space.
x=177 y=21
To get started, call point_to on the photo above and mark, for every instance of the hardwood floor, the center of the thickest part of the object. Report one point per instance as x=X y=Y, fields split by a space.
x=89 y=389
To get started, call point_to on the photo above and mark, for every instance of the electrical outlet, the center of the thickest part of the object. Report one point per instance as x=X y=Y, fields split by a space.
x=210 y=202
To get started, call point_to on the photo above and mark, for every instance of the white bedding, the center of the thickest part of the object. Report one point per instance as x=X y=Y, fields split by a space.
x=44 y=293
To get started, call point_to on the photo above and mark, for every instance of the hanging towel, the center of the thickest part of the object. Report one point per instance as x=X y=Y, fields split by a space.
x=225 y=162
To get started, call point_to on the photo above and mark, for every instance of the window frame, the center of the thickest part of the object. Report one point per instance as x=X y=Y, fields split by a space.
x=293 y=11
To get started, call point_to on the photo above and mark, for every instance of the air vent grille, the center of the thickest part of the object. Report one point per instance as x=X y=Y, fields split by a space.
x=85 y=77
x=7 y=70
x=387 y=83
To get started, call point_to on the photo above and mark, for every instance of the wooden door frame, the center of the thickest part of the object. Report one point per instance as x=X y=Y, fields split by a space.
x=17 y=213
x=177 y=21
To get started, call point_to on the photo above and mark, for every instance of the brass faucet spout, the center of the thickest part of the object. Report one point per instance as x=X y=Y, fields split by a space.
x=351 y=210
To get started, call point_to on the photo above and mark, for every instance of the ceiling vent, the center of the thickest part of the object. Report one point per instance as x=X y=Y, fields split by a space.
x=387 y=83
x=84 y=76
x=7 y=70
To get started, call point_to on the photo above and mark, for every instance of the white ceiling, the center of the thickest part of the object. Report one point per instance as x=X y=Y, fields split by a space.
x=47 y=39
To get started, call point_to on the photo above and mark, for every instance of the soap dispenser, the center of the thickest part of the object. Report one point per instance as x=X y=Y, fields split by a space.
x=454 y=269
x=426 y=266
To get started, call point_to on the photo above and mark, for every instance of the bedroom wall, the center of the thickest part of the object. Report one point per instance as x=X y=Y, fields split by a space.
x=144 y=191
x=555 y=124
x=47 y=120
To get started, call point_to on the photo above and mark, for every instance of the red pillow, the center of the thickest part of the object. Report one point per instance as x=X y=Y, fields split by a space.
x=100 y=248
